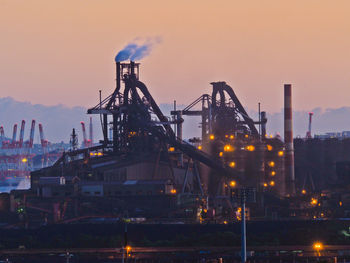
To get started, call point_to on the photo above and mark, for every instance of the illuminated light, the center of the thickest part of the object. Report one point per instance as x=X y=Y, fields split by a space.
x=314 y=201
x=340 y=203
x=317 y=246
x=232 y=137
x=314 y=217
x=322 y=214
x=269 y=147
x=271 y=136
x=226 y=136
x=128 y=248
x=205 y=210
x=233 y=183
x=91 y=154
x=24 y=160
x=228 y=148
x=99 y=154
x=265 y=184
x=272 y=183
x=221 y=154
x=250 y=148
x=273 y=173
x=319 y=204
x=211 y=137
x=225 y=222
x=171 y=149
x=232 y=164
x=303 y=191
x=272 y=164
x=173 y=191
x=200 y=147
x=246 y=136
x=280 y=153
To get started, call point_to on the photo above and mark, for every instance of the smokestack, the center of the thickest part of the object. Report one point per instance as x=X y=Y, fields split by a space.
x=263 y=120
x=132 y=65
x=118 y=75
x=288 y=140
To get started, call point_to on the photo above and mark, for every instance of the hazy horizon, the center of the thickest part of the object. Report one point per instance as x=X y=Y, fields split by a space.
x=59 y=120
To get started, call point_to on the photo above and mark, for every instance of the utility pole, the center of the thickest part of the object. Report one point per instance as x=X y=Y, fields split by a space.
x=243 y=228
x=244 y=195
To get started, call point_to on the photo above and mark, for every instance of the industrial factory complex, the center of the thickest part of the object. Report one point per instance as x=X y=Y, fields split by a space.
x=144 y=170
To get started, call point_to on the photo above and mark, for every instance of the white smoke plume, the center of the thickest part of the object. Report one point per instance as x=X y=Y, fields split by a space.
x=137 y=49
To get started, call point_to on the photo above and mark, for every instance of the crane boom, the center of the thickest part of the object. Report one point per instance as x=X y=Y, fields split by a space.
x=14 y=134
x=308 y=133
x=42 y=136
x=2 y=133
x=31 y=137
x=21 y=134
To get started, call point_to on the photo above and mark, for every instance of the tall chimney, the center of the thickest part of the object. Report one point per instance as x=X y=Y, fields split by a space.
x=263 y=121
x=117 y=75
x=288 y=140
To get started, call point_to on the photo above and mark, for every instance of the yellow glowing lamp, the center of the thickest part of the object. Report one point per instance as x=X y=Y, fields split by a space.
x=272 y=164
x=232 y=136
x=272 y=183
x=128 y=248
x=340 y=203
x=221 y=154
x=228 y=148
x=271 y=136
x=303 y=192
x=269 y=147
x=171 y=149
x=273 y=173
x=314 y=201
x=91 y=154
x=250 y=148
x=233 y=183
x=226 y=136
x=317 y=246
x=211 y=137
x=173 y=191
x=265 y=184
x=200 y=147
x=24 y=160
x=232 y=164
x=280 y=153
x=246 y=136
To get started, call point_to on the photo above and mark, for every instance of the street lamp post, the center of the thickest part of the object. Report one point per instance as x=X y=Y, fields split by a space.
x=243 y=228
x=244 y=195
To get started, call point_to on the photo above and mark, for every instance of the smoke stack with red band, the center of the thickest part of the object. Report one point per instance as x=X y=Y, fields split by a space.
x=288 y=139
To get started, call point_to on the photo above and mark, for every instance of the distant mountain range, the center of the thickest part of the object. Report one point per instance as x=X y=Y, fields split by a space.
x=58 y=121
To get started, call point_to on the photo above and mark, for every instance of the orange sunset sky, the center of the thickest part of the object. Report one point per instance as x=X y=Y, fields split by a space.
x=62 y=52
